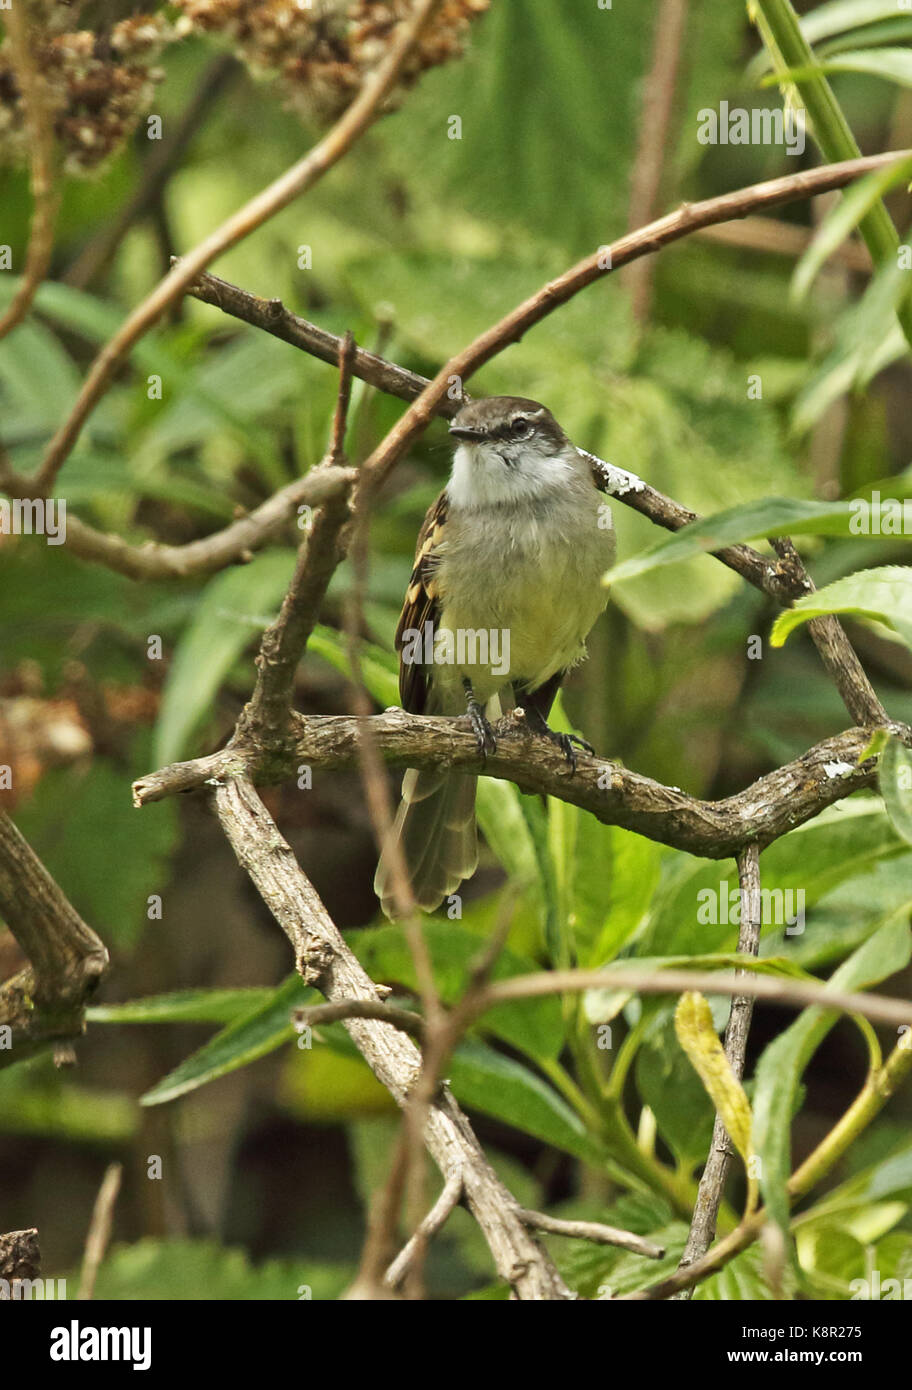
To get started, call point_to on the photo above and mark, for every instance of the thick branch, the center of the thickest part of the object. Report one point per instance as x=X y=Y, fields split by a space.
x=784 y=580
x=44 y=1002
x=768 y=808
x=324 y=960
x=20 y=1257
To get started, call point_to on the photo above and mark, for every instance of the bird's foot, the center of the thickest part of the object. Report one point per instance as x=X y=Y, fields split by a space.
x=481 y=725
x=567 y=743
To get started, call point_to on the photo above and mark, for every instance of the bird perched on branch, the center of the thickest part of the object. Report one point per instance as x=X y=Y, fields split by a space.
x=504 y=591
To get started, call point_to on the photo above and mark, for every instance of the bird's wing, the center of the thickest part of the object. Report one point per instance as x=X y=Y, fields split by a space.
x=421 y=604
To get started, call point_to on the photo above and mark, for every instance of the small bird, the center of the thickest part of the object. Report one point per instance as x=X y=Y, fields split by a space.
x=504 y=591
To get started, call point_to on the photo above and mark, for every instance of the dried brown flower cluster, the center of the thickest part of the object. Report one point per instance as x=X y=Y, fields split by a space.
x=322 y=50
x=96 y=86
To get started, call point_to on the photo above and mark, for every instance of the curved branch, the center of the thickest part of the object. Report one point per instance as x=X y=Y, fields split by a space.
x=768 y=808
x=225 y=547
x=46 y=1001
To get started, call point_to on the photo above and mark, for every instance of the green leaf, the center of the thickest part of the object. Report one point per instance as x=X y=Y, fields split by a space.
x=837 y=17
x=378 y=667
x=251 y=1036
x=883 y=594
x=668 y=1084
x=895 y=774
x=533 y=1025
x=894 y=64
x=80 y=824
x=780 y=1068
x=697 y=1036
x=183 y=1006
x=857 y=200
x=233 y=606
x=498 y=1086
x=694 y=910
x=772 y=516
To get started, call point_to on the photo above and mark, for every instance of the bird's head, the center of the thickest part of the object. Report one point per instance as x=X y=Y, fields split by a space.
x=508 y=447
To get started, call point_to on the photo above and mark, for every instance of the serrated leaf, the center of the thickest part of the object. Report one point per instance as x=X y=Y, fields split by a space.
x=895 y=775
x=883 y=594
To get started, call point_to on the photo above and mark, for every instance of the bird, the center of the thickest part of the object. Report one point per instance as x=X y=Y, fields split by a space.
x=503 y=593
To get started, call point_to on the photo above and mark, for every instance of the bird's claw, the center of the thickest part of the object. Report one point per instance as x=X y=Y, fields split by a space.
x=481 y=727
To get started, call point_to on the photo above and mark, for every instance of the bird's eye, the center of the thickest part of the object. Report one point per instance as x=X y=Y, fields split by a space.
x=520 y=426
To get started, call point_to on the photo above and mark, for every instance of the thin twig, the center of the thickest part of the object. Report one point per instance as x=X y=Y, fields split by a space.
x=879 y=1087
x=794 y=994
x=45 y=198
x=656 y=109
x=99 y=1230
x=337 y=142
x=596 y=1231
x=721 y=1150
x=435 y=1220
x=234 y=543
x=644 y=241
x=317 y=1014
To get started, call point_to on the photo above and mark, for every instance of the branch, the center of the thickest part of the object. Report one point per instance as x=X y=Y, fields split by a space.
x=768 y=808
x=435 y=1220
x=793 y=994
x=20 y=1257
x=595 y=1231
x=880 y=1086
x=721 y=1150
x=324 y=961
x=655 y=120
x=337 y=142
x=99 y=1232
x=284 y=641
x=318 y=1014
x=40 y=132
x=689 y=218
x=46 y=1001
x=783 y=581
x=321 y=486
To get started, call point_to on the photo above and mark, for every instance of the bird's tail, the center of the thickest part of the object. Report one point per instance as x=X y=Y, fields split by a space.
x=435 y=828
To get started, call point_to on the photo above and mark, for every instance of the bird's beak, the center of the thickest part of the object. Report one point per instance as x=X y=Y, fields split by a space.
x=463 y=432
